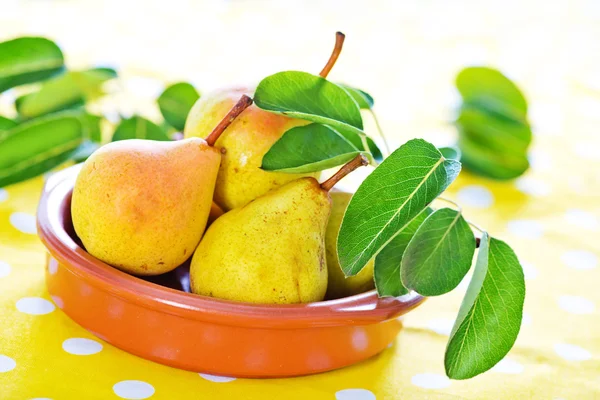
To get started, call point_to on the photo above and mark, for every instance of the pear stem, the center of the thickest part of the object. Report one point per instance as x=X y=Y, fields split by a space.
x=358 y=161
x=339 y=42
x=243 y=103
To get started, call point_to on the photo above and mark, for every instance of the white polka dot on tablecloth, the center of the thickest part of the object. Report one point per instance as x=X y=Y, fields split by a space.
x=354 y=394
x=508 y=366
x=442 y=326
x=581 y=219
x=35 y=306
x=529 y=270
x=4 y=269
x=23 y=222
x=526 y=229
x=81 y=346
x=526 y=321
x=133 y=390
x=579 y=259
x=533 y=187
x=475 y=196
x=540 y=160
x=576 y=304
x=586 y=151
x=217 y=378
x=571 y=352
x=6 y=363
x=3 y=195
x=430 y=381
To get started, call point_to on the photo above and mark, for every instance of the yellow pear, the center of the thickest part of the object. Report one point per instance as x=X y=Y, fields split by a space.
x=141 y=205
x=340 y=286
x=245 y=143
x=271 y=250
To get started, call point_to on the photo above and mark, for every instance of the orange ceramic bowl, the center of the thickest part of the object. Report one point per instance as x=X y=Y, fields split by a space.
x=156 y=319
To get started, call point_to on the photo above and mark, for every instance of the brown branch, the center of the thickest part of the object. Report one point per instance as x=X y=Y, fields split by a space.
x=339 y=42
x=356 y=162
x=243 y=103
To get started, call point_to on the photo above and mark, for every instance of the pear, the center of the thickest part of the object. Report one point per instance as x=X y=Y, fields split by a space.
x=272 y=250
x=340 y=286
x=141 y=205
x=240 y=178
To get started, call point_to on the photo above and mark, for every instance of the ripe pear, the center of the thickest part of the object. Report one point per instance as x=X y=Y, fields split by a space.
x=339 y=286
x=245 y=143
x=247 y=140
x=141 y=205
x=271 y=250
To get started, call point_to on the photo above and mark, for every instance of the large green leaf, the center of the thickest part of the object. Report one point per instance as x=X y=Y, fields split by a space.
x=35 y=147
x=388 y=261
x=395 y=193
x=139 y=128
x=91 y=127
x=85 y=149
x=490 y=315
x=28 y=59
x=450 y=152
x=176 y=102
x=490 y=162
x=308 y=148
x=439 y=254
x=70 y=90
x=482 y=84
x=6 y=124
x=362 y=98
x=313 y=98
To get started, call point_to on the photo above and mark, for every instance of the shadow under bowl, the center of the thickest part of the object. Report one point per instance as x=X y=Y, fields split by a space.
x=155 y=318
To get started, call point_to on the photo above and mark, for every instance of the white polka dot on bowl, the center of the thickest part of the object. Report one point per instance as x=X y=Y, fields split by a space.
x=576 y=304
x=133 y=390
x=354 y=394
x=579 y=259
x=571 y=352
x=430 y=381
x=81 y=346
x=35 y=306
x=475 y=196
x=217 y=378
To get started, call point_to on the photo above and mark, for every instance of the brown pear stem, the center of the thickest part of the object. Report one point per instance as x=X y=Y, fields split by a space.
x=339 y=42
x=356 y=162
x=243 y=103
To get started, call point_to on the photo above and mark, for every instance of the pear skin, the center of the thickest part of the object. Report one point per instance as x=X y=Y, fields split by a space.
x=272 y=250
x=339 y=286
x=244 y=144
x=142 y=205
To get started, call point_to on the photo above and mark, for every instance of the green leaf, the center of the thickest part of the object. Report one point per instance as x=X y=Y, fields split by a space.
x=6 y=124
x=362 y=98
x=70 y=90
x=490 y=162
x=439 y=254
x=84 y=150
x=139 y=128
x=388 y=261
x=176 y=102
x=389 y=199
x=450 y=152
x=308 y=148
x=35 y=147
x=91 y=127
x=28 y=59
x=490 y=315
x=481 y=84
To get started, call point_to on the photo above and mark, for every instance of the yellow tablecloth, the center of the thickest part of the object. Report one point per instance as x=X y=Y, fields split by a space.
x=406 y=54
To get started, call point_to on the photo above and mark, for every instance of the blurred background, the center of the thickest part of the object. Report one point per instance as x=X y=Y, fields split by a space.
x=406 y=54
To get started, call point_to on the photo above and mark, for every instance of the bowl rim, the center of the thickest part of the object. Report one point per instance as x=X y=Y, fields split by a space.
x=361 y=309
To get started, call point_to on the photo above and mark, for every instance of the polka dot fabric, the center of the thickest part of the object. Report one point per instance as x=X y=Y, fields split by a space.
x=405 y=53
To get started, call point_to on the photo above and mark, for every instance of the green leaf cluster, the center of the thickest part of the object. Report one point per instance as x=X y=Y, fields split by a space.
x=494 y=134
